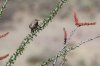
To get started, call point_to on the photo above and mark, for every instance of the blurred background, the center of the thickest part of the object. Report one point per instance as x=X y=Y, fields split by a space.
x=20 y=13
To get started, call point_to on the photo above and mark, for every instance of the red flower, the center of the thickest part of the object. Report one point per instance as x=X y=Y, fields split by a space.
x=81 y=24
x=76 y=18
x=3 y=57
x=65 y=35
x=1 y=36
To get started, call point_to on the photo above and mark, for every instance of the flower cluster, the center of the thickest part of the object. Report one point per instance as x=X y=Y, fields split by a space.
x=5 y=56
x=63 y=52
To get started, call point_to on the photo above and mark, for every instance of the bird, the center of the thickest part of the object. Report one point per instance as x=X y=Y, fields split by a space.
x=33 y=25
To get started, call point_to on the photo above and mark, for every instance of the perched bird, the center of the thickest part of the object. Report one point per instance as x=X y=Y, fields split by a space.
x=33 y=25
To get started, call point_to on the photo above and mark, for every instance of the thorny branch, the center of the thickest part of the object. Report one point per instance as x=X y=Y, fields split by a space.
x=33 y=34
x=3 y=7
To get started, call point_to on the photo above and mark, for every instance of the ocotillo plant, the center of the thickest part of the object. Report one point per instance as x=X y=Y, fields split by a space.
x=3 y=7
x=33 y=34
x=64 y=51
x=40 y=27
x=1 y=36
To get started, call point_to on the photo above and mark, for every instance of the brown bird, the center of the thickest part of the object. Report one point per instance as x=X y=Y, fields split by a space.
x=33 y=25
